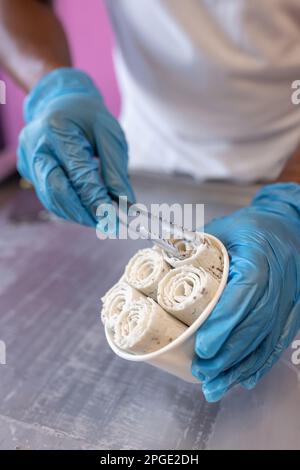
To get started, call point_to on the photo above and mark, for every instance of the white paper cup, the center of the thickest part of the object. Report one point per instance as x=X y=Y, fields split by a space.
x=176 y=358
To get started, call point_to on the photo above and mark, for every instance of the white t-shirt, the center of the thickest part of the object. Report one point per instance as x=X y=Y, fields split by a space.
x=206 y=84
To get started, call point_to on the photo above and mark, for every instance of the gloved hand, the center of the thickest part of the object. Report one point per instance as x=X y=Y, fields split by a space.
x=258 y=314
x=68 y=126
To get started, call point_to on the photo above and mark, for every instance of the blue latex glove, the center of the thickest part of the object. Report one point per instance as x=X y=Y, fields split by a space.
x=259 y=313
x=67 y=126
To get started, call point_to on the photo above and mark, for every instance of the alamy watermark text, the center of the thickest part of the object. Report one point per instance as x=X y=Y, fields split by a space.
x=2 y=353
x=2 y=92
x=125 y=221
x=296 y=354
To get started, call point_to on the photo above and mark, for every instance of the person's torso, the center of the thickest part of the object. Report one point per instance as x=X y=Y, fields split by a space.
x=206 y=84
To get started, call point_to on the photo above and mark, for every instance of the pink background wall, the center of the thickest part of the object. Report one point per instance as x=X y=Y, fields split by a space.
x=90 y=35
x=91 y=42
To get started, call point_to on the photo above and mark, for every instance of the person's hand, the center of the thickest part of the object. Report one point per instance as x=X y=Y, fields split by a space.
x=258 y=314
x=72 y=149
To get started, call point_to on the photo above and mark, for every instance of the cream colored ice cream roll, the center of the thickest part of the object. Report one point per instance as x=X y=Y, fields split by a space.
x=186 y=291
x=145 y=270
x=144 y=327
x=201 y=253
x=115 y=300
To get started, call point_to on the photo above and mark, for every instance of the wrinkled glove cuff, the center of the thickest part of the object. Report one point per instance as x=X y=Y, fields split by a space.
x=283 y=198
x=62 y=81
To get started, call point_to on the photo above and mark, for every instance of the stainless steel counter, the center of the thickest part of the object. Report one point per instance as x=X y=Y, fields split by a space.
x=62 y=387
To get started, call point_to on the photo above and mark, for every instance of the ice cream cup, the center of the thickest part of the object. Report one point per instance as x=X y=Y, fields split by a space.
x=176 y=358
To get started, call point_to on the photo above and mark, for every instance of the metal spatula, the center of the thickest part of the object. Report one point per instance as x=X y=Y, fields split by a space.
x=166 y=233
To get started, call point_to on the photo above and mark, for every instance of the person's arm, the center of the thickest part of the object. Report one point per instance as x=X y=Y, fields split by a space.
x=67 y=124
x=32 y=41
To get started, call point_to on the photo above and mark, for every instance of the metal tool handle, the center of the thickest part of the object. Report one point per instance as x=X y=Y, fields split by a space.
x=166 y=231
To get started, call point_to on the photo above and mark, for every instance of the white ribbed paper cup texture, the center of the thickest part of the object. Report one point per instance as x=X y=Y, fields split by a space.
x=176 y=358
